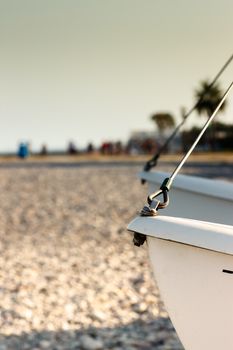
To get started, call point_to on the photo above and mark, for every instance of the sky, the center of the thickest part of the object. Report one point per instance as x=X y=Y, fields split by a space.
x=95 y=70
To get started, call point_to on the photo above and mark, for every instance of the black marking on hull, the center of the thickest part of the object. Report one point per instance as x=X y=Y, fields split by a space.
x=227 y=271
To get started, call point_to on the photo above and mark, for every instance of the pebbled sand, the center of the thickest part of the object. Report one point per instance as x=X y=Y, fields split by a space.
x=70 y=277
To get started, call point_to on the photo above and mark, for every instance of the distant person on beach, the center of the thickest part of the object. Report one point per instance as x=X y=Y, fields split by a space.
x=23 y=150
x=44 y=150
x=106 y=148
x=90 y=148
x=72 y=148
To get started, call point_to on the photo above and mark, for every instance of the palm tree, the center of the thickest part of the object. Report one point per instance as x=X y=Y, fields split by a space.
x=163 y=121
x=209 y=98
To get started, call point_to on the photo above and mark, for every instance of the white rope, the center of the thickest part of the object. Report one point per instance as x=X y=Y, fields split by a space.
x=154 y=205
x=175 y=172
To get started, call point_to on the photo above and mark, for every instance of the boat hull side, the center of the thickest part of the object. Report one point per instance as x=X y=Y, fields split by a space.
x=198 y=206
x=196 y=292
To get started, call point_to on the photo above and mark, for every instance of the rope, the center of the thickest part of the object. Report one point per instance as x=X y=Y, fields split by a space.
x=154 y=205
x=153 y=161
x=175 y=172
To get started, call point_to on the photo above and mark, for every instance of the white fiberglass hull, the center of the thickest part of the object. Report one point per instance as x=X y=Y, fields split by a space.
x=196 y=291
x=193 y=259
x=195 y=197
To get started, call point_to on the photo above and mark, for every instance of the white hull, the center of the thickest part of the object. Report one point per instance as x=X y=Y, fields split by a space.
x=193 y=260
x=195 y=197
x=196 y=292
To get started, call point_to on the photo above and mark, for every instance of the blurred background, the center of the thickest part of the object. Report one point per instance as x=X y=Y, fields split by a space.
x=90 y=90
x=95 y=71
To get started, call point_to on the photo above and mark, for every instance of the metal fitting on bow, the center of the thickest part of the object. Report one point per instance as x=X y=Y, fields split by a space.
x=153 y=204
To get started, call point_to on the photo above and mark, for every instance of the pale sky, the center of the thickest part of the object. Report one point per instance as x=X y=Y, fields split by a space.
x=94 y=70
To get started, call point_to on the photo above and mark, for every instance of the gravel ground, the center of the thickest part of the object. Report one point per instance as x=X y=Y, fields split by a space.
x=70 y=277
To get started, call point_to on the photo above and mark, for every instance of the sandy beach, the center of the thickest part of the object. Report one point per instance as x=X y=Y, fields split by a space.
x=70 y=276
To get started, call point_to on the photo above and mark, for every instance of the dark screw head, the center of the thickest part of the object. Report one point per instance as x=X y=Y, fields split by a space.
x=138 y=239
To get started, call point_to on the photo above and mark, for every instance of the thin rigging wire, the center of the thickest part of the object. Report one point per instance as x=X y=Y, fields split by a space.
x=175 y=172
x=165 y=187
x=153 y=161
